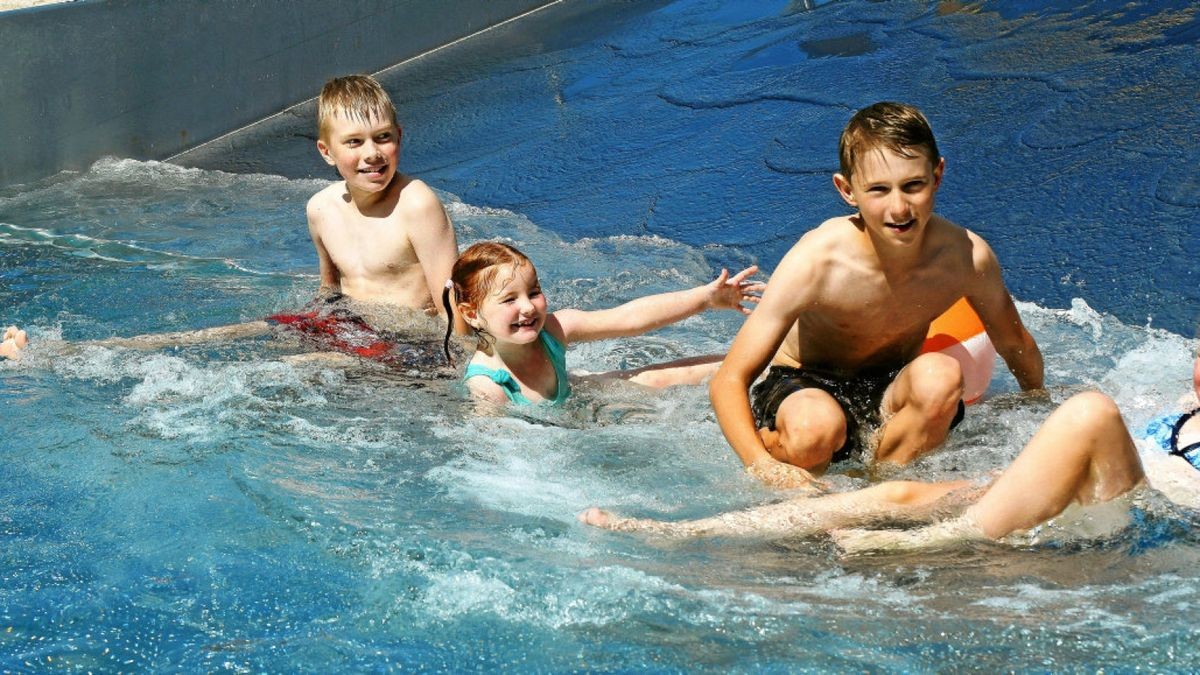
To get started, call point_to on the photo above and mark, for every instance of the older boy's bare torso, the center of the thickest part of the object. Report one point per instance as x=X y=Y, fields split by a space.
x=372 y=252
x=866 y=319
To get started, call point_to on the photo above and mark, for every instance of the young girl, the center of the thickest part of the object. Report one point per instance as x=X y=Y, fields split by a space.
x=522 y=345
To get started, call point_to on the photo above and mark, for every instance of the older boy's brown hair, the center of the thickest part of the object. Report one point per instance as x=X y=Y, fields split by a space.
x=898 y=127
x=355 y=97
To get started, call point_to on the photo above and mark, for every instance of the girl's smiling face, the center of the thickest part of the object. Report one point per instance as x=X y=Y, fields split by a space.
x=514 y=309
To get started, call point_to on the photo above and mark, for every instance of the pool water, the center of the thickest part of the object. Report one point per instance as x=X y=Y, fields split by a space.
x=224 y=508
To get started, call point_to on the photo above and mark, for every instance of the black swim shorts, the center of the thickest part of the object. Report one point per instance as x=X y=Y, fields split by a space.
x=860 y=397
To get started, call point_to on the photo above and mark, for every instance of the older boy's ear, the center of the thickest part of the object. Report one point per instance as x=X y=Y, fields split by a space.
x=938 y=170
x=843 y=187
x=324 y=150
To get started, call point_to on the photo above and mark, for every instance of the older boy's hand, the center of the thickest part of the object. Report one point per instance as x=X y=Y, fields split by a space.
x=726 y=292
x=776 y=474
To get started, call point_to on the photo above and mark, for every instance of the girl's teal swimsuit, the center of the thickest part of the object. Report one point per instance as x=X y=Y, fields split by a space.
x=557 y=354
x=1164 y=432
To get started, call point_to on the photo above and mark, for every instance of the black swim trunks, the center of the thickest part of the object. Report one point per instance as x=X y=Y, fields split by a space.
x=860 y=397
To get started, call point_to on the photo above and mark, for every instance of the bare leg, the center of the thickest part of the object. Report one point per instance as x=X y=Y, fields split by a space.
x=924 y=399
x=693 y=370
x=235 y=331
x=1082 y=453
x=13 y=341
x=795 y=517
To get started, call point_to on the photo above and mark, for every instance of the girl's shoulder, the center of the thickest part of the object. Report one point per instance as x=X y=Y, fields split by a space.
x=488 y=380
x=558 y=323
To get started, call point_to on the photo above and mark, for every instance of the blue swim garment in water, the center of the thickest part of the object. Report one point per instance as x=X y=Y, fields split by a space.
x=1164 y=432
x=555 y=351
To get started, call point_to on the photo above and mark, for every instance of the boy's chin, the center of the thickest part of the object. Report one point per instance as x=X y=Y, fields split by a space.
x=370 y=183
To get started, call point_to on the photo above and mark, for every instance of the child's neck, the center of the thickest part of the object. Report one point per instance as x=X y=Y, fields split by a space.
x=515 y=355
x=381 y=202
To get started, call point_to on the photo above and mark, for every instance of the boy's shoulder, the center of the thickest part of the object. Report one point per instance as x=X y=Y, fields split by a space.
x=416 y=197
x=828 y=238
x=327 y=196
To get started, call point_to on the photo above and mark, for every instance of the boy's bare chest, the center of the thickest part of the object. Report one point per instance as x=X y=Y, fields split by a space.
x=870 y=321
x=375 y=247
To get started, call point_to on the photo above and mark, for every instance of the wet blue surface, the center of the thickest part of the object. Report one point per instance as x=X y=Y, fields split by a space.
x=220 y=509
x=1069 y=130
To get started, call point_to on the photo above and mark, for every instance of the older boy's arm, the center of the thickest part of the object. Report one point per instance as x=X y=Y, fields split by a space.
x=995 y=307
x=749 y=355
x=655 y=311
x=433 y=240
x=729 y=389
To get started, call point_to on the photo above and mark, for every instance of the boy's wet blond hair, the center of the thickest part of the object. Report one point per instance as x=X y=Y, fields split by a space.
x=899 y=127
x=353 y=97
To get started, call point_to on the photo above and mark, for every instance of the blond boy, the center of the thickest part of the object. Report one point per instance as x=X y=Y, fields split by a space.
x=845 y=313
x=382 y=238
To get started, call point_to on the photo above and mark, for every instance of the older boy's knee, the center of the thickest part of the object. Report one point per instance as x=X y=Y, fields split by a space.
x=936 y=384
x=810 y=431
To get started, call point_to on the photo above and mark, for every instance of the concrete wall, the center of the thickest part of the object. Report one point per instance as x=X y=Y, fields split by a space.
x=150 y=78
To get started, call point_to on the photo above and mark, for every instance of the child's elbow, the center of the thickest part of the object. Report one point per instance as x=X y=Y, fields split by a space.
x=722 y=381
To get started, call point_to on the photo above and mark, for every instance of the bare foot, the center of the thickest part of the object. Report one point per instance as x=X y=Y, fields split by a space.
x=597 y=518
x=13 y=341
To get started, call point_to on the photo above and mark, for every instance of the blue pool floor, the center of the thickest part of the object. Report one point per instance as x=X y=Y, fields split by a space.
x=219 y=508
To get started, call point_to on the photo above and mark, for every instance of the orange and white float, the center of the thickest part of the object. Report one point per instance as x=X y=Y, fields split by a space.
x=959 y=333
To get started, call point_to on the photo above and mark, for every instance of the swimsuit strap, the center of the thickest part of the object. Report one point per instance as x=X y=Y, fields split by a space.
x=557 y=353
x=1174 y=448
x=512 y=388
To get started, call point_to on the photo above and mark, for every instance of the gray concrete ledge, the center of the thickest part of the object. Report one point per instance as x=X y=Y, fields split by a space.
x=148 y=80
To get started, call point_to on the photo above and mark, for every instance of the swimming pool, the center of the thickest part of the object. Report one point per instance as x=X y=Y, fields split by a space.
x=220 y=509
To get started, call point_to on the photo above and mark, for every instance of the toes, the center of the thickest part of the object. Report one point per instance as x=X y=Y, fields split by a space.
x=595 y=517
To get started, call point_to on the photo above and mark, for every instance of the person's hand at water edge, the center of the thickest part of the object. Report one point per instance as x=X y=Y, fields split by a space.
x=773 y=473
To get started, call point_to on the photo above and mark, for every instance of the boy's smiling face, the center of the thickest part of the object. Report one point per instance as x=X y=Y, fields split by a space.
x=894 y=194
x=364 y=152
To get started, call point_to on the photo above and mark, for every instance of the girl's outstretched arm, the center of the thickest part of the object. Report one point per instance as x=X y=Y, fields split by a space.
x=655 y=311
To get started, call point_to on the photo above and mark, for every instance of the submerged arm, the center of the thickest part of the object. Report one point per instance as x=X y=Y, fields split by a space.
x=433 y=240
x=331 y=279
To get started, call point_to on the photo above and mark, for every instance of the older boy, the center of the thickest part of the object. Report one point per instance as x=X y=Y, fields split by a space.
x=844 y=315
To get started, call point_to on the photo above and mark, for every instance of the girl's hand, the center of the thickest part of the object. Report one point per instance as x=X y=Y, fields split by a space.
x=726 y=292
